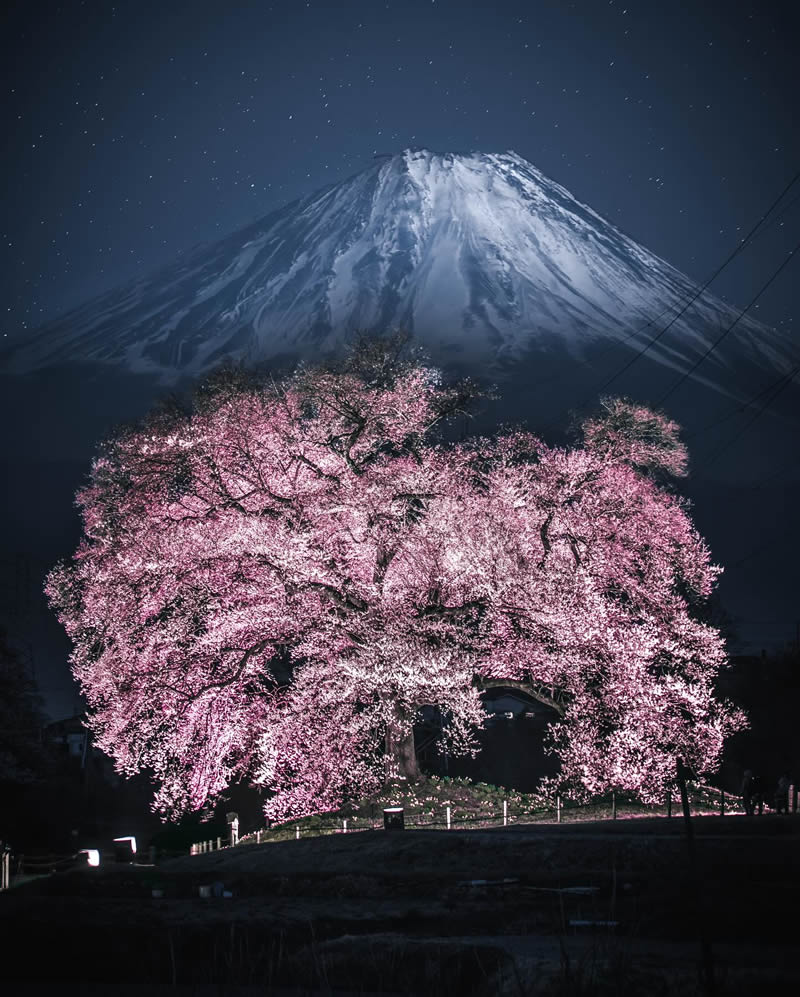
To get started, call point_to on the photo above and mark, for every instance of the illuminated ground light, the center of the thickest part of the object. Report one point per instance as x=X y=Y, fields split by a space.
x=92 y=856
x=393 y=819
x=127 y=837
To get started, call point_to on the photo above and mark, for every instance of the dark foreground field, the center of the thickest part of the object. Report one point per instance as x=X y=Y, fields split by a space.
x=595 y=908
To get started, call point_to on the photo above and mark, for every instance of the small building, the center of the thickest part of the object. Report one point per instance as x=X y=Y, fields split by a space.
x=509 y=704
x=73 y=741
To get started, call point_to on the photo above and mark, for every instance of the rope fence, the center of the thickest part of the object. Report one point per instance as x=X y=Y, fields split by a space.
x=705 y=800
x=17 y=867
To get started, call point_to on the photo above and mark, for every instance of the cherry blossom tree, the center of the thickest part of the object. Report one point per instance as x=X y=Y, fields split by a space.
x=601 y=622
x=273 y=584
x=277 y=531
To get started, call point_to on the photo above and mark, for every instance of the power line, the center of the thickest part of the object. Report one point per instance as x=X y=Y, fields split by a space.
x=609 y=349
x=735 y=411
x=768 y=224
x=781 y=472
x=764 y=623
x=787 y=380
x=731 y=256
x=784 y=469
x=636 y=332
x=687 y=374
x=756 y=233
x=780 y=538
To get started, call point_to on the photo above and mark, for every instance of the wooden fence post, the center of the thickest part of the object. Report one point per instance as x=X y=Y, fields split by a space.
x=448 y=816
x=558 y=809
x=613 y=806
x=505 y=813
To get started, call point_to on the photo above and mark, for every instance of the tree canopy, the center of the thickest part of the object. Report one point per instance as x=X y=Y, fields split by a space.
x=273 y=583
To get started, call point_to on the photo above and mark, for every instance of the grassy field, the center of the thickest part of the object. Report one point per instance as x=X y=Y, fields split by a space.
x=479 y=805
x=584 y=907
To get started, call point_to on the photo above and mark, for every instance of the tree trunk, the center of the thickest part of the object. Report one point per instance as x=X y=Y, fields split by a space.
x=401 y=757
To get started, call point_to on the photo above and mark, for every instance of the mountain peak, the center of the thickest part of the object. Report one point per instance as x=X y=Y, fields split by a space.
x=480 y=255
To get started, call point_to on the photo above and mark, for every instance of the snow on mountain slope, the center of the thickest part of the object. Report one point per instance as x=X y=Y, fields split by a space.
x=481 y=256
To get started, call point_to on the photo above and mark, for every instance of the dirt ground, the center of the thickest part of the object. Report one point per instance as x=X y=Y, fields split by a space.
x=597 y=908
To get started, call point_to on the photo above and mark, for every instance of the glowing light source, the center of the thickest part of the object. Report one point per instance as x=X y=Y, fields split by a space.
x=393 y=819
x=92 y=856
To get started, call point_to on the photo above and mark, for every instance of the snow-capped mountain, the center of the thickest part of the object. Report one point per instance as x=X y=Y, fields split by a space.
x=482 y=257
x=497 y=270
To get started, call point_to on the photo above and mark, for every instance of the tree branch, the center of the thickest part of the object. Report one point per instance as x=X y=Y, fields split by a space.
x=534 y=690
x=543 y=532
x=345 y=601
x=223 y=683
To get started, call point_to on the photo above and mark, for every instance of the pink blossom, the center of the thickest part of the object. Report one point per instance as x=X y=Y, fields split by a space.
x=275 y=584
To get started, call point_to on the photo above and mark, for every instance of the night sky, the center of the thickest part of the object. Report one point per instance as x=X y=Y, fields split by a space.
x=134 y=132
